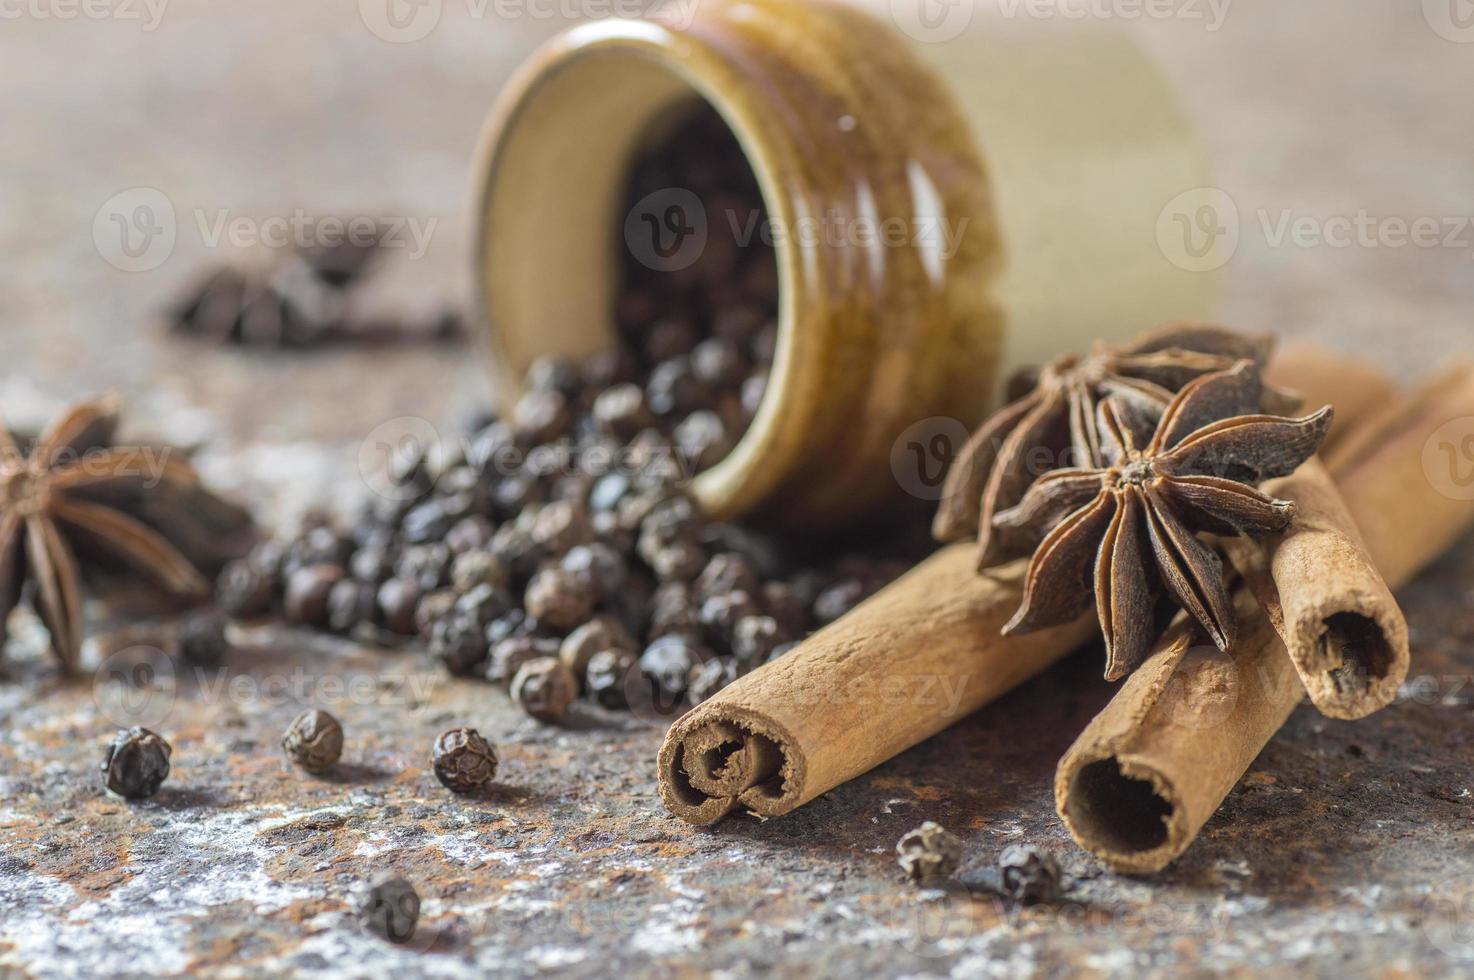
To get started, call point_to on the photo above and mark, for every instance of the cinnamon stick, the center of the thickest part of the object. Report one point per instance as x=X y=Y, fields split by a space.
x=1344 y=631
x=913 y=659
x=901 y=667
x=1150 y=769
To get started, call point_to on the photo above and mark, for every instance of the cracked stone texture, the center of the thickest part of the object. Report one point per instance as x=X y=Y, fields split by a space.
x=1348 y=849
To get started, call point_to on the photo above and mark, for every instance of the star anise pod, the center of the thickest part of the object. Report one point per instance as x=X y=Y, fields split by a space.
x=60 y=498
x=1125 y=527
x=1045 y=428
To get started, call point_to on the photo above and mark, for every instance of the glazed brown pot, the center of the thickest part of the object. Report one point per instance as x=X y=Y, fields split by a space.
x=1027 y=172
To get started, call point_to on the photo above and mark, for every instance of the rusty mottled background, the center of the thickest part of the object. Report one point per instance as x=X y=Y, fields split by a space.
x=1348 y=850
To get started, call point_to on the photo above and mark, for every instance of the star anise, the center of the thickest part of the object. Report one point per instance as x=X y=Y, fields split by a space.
x=59 y=500
x=1044 y=429
x=1124 y=527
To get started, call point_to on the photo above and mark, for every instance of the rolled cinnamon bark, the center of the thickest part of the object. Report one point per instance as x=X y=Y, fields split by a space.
x=1344 y=631
x=921 y=654
x=1150 y=769
x=898 y=669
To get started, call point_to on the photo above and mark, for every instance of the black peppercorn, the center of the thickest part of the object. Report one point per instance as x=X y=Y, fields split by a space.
x=558 y=598
x=561 y=525
x=473 y=568
x=599 y=566
x=620 y=411
x=544 y=688
x=314 y=741
x=542 y=416
x=391 y=909
x=243 y=590
x=710 y=677
x=667 y=665
x=308 y=588
x=350 y=604
x=726 y=572
x=371 y=564
x=398 y=600
x=464 y=761
x=838 y=599
x=426 y=565
x=608 y=676
x=679 y=561
x=469 y=534
x=671 y=610
x=754 y=638
x=929 y=851
x=485 y=604
x=431 y=609
x=136 y=764
x=508 y=656
x=428 y=521
x=599 y=633
x=201 y=639
x=1029 y=875
x=720 y=614
x=458 y=641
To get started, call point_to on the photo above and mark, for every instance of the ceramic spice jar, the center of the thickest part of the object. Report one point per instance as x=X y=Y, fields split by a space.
x=1027 y=169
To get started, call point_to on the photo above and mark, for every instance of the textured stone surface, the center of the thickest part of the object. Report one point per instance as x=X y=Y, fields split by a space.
x=1348 y=849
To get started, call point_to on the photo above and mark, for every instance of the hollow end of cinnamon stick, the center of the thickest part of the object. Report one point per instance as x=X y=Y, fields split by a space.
x=1123 y=810
x=1354 y=661
x=728 y=758
x=1328 y=600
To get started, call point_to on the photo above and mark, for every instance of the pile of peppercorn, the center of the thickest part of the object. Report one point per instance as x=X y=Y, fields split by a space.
x=611 y=584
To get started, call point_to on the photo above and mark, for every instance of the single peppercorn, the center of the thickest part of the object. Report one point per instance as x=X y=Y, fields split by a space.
x=136 y=763
x=391 y=910
x=244 y=590
x=398 y=601
x=458 y=641
x=667 y=664
x=431 y=609
x=559 y=598
x=308 y=588
x=544 y=688
x=929 y=851
x=479 y=567
x=201 y=640
x=609 y=675
x=599 y=633
x=710 y=677
x=350 y=604
x=508 y=656
x=314 y=741
x=464 y=762
x=1029 y=875
x=754 y=638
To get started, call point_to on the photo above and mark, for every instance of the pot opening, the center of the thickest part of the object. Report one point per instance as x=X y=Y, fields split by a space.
x=627 y=232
